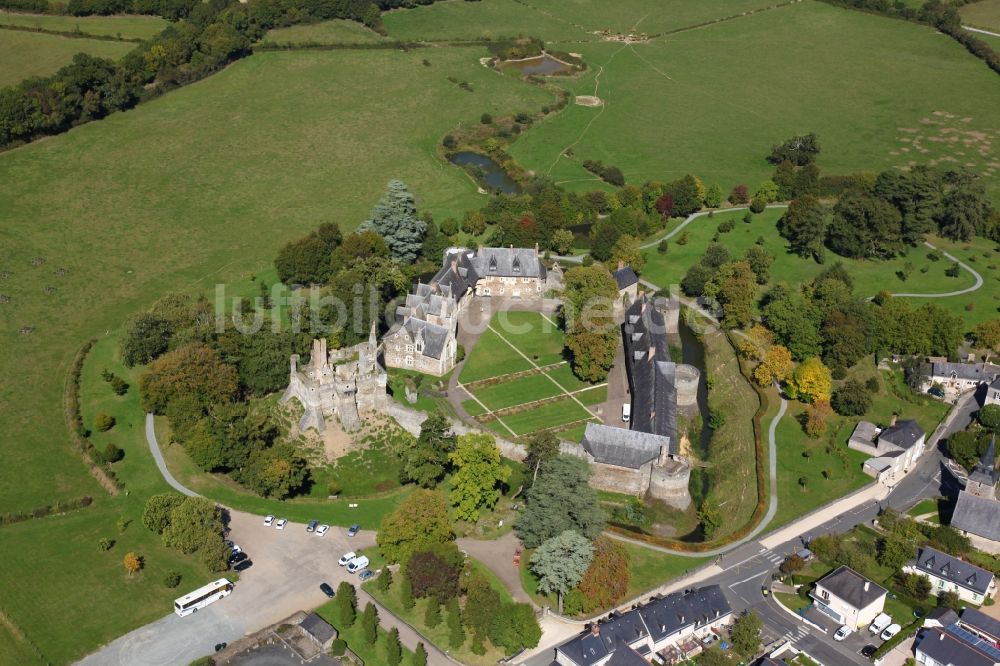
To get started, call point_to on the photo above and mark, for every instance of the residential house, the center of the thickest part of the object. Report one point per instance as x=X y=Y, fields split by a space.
x=940 y=617
x=894 y=450
x=848 y=597
x=980 y=624
x=950 y=574
x=993 y=393
x=979 y=519
x=425 y=335
x=948 y=647
x=670 y=627
x=956 y=378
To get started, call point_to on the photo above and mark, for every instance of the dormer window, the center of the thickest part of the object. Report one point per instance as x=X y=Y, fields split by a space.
x=493 y=264
x=516 y=265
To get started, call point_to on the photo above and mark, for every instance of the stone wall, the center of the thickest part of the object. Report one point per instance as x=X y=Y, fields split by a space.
x=686 y=382
x=621 y=479
x=669 y=483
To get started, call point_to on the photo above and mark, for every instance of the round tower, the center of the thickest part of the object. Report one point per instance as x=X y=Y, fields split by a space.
x=686 y=381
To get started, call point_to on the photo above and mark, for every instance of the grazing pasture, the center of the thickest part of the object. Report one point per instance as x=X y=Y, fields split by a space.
x=713 y=101
x=132 y=26
x=984 y=14
x=336 y=31
x=27 y=54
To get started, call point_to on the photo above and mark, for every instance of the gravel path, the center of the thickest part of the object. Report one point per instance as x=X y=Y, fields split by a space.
x=154 y=448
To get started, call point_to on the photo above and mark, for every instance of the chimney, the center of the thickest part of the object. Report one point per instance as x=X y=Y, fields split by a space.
x=621 y=264
x=867 y=585
x=454 y=264
x=536 y=249
x=892 y=421
x=662 y=460
x=595 y=629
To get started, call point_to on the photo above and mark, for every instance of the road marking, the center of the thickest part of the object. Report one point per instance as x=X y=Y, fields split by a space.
x=488 y=410
x=740 y=582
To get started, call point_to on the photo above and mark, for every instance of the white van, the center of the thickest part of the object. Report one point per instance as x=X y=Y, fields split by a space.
x=357 y=564
x=880 y=623
x=626 y=412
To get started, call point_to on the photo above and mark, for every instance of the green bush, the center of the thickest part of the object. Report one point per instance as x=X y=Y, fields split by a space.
x=338 y=647
x=104 y=422
x=112 y=453
x=106 y=544
x=172 y=579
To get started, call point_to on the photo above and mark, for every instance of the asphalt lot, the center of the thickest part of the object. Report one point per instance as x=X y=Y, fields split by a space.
x=289 y=566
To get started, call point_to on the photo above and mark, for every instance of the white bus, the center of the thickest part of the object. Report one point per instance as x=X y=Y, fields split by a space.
x=202 y=597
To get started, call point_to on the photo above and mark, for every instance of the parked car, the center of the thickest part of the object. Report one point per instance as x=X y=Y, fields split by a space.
x=353 y=530
x=234 y=547
x=219 y=647
x=243 y=566
x=367 y=574
x=918 y=613
x=708 y=640
x=879 y=624
x=347 y=557
x=765 y=590
x=868 y=651
x=322 y=529
x=326 y=589
x=626 y=412
x=236 y=558
x=357 y=564
x=842 y=633
x=280 y=525
x=268 y=519
x=311 y=527
x=890 y=631
x=937 y=392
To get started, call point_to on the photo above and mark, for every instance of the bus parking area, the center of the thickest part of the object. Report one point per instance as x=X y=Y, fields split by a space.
x=288 y=567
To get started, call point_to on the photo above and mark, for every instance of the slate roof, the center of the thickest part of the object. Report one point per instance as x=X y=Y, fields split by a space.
x=626 y=656
x=671 y=613
x=981 y=623
x=626 y=277
x=977 y=515
x=986 y=469
x=849 y=585
x=943 y=616
x=980 y=372
x=651 y=373
x=945 y=648
x=622 y=629
x=621 y=447
x=933 y=561
x=864 y=433
x=318 y=628
x=507 y=262
x=903 y=434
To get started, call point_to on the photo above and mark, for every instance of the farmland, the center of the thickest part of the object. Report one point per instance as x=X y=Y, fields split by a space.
x=984 y=15
x=124 y=27
x=27 y=54
x=867 y=88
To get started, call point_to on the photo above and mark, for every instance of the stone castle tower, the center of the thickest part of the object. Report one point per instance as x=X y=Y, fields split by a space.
x=348 y=383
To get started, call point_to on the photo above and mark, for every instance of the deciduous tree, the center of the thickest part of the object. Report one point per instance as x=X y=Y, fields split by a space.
x=193 y=370
x=542 y=447
x=626 y=250
x=606 y=579
x=479 y=471
x=146 y=336
x=803 y=225
x=811 y=381
x=775 y=366
x=425 y=462
x=133 y=562
x=746 y=633
x=420 y=519
x=156 y=514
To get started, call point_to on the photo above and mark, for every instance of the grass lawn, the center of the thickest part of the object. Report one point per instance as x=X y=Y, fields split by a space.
x=860 y=80
x=731 y=451
x=564 y=376
x=491 y=357
x=373 y=469
x=337 y=31
x=793 y=602
x=517 y=391
x=547 y=416
x=27 y=54
x=354 y=636
x=870 y=277
x=424 y=403
x=537 y=336
x=937 y=509
x=439 y=634
x=984 y=14
x=490 y=18
x=593 y=396
x=132 y=26
x=574 y=434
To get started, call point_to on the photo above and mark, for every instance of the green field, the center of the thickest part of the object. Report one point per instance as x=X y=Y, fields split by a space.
x=492 y=357
x=337 y=31
x=126 y=27
x=535 y=335
x=548 y=415
x=517 y=391
x=983 y=14
x=870 y=277
x=868 y=86
x=27 y=54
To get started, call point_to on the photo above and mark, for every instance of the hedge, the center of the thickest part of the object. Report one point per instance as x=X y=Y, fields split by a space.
x=61 y=506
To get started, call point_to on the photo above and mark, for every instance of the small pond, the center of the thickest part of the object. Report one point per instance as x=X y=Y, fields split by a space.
x=486 y=170
x=543 y=65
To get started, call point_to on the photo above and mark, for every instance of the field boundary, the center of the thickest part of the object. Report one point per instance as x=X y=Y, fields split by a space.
x=19 y=635
x=70 y=34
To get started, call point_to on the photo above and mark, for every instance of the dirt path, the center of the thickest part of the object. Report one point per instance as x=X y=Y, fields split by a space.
x=498 y=556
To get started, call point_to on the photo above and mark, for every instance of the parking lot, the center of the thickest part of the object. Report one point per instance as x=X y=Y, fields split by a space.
x=288 y=567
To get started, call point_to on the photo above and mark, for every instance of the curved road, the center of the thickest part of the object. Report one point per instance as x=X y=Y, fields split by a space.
x=154 y=448
x=979 y=279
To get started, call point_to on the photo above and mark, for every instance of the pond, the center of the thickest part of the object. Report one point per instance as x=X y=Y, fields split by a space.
x=543 y=65
x=486 y=170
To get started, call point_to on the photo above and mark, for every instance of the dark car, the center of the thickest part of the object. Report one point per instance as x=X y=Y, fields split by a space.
x=236 y=558
x=868 y=651
x=326 y=589
x=354 y=529
x=311 y=527
x=936 y=391
x=219 y=647
x=243 y=566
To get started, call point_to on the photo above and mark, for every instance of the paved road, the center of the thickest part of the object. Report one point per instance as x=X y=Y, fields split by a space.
x=154 y=448
x=746 y=568
x=980 y=31
x=977 y=285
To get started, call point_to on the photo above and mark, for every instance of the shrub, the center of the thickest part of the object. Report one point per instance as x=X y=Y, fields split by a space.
x=727 y=226
x=662 y=246
x=112 y=453
x=739 y=195
x=839 y=372
x=758 y=205
x=338 y=647
x=486 y=119
x=104 y=422
x=172 y=579
x=106 y=544
x=683 y=238
x=119 y=385
x=449 y=142
x=953 y=270
x=872 y=384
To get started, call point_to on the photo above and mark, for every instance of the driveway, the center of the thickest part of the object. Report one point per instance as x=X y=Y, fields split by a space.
x=498 y=556
x=288 y=567
x=618 y=393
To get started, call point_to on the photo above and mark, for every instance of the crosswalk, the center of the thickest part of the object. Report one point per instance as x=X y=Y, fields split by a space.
x=773 y=557
x=798 y=634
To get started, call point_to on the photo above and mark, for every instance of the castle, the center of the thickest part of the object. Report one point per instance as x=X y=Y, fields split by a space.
x=424 y=337
x=647 y=457
x=348 y=383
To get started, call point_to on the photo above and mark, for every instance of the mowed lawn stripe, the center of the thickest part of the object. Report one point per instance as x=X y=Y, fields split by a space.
x=517 y=392
x=492 y=357
x=565 y=377
x=593 y=396
x=546 y=416
x=536 y=336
